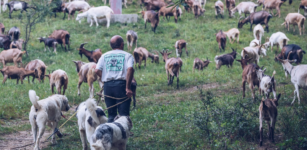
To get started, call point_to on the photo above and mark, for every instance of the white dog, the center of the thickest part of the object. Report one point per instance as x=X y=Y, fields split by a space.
x=112 y=135
x=89 y=117
x=45 y=111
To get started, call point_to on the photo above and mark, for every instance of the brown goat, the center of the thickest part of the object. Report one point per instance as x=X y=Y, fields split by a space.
x=295 y=19
x=92 y=56
x=62 y=37
x=268 y=112
x=221 y=39
x=303 y=5
x=249 y=75
x=189 y=5
x=2 y=28
x=169 y=10
x=172 y=67
x=11 y=55
x=179 y=45
x=152 y=17
x=78 y=65
x=200 y=64
x=230 y=4
x=272 y=4
x=17 y=44
x=40 y=67
x=154 y=4
x=13 y=72
x=58 y=79
x=141 y=54
x=132 y=37
x=197 y=9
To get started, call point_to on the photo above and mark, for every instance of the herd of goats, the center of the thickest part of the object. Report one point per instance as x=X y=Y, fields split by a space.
x=252 y=74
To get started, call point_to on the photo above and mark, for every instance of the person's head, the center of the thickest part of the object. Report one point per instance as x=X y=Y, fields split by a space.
x=117 y=42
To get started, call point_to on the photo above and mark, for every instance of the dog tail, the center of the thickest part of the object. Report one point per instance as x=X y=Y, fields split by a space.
x=34 y=98
x=91 y=106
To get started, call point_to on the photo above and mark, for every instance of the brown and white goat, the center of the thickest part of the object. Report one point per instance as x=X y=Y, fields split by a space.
x=197 y=9
x=17 y=44
x=179 y=45
x=74 y=6
x=11 y=55
x=59 y=79
x=230 y=4
x=233 y=34
x=258 y=32
x=13 y=72
x=62 y=37
x=200 y=64
x=249 y=75
x=141 y=54
x=189 y=5
x=152 y=17
x=167 y=11
x=2 y=28
x=253 y=53
x=225 y=59
x=92 y=56
x=268 y=112
x=40 y=67
x=295 y=19
x=303 y=5
x=172 y=67
x=78 y=64
x=271 y=4
x=154 y=4
x=221 y=39
x=267 y=83
x=219 y=8
x=156 y=57
x=132 y=37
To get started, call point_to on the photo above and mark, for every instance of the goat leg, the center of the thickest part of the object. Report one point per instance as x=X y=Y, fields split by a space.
x=177 y=81
x=261 y=136
x=243 y=87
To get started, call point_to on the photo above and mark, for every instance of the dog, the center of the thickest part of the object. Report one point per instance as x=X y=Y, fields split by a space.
x=112 y=135
x=89 y=117
x=46 y=111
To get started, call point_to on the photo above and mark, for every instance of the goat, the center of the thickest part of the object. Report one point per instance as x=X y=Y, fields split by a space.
x=295 y=19
x=17 y=44
x=189 y=5
x=2 y=28
x=87 y=74
x=3 y=4
x=152 y=17
x=249 y=75
x=254 y=43
x=200 y=64
x=92 y=56
x=260 y=17
x=303 y=5
x=58 y=7
x=221 y=39
x=11 y=55
x=233 y=34
x=197 y=9
x=272 y=4
x=219 y=9
x=141 y=54
x=230 y=4
x=62 y=37
x=253 y=53
x=167 y=11
x=78 y=65
x=279 y=39
x=179 y=45
x=97 y=12
x=298 y=75
x=17 y=5
x=292 y=52
x=59 y=79
x=49 y=42
x=13 y=72
x=40 y=67
x=14 y=33
x=268 y=112
x=244 y=7
x=267 y=83
x=5 y=41
x=258 y=32
x=225 y=59
x=74 y=6
x=154 y=4
x=156 y=57
x=172 y=67
x=132 y=37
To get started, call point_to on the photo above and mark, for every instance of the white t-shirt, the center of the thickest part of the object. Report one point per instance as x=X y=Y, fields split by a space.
x=114 y=65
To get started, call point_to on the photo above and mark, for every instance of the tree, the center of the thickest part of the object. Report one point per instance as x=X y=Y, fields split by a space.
x=33 y=17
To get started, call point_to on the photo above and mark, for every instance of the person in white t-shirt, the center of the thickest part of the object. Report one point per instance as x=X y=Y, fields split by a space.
x=116 y=70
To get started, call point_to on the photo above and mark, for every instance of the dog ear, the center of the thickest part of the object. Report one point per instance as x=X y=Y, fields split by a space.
x=130 y=125
x=118 y=116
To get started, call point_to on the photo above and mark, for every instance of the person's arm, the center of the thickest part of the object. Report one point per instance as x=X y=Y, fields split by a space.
x=129 y=77
x=99 y=67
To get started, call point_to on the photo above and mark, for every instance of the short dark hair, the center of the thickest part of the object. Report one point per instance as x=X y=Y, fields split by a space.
x=118 y=42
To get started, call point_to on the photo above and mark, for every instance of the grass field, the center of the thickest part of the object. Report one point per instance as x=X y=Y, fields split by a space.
x=167 y=118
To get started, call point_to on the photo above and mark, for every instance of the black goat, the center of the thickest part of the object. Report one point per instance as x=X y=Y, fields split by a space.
x=14 y=33
x=226 y=59
x=17 y=5
x=262 y=17
x=291 y=52
x=5 y=41
x=49 y=42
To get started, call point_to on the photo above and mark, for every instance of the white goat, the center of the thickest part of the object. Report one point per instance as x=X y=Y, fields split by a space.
x=244 y=7
x=258 y=32
x=97 y=12
x=73 y=6
x=254 y=43
x=253 y=53
x=267 y=83
x=58 y=79
x=279 y=39
x=233 y=34
x=298 y=75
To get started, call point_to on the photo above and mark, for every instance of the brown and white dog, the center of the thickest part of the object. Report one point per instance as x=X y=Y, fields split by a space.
x=46 y=111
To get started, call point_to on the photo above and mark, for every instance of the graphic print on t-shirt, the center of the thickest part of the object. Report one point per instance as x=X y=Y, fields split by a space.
x=114 y=62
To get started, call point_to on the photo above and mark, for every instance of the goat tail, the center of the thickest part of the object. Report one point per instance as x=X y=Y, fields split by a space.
x=34 y=98
x=91 y=106
x=274 y=72
x=303 y=21
x=216 y=59
x=136 y=56
x=176 y=64
x=257 y=35
x=67 y=36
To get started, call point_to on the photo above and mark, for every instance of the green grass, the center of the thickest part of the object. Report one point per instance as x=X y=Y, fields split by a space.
x=166 y=121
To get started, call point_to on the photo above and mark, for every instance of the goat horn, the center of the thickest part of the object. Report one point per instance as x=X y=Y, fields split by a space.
x=289 y=55
x=81 y=46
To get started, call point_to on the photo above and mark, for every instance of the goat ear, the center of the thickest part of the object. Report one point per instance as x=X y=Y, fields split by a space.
x=278 y=96
x=75 y=61
x=262 y=67
x=169 y=53
x=264 y=70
